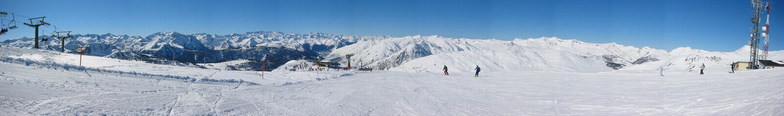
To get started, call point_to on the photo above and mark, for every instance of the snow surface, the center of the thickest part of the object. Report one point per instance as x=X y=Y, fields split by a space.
x=417 y=53
x=408 y=54
x=36 y=82
x=103 y=63
x=224 y=65
x=431 y=53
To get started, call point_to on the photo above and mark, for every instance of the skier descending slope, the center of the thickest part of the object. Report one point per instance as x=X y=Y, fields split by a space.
x=702 y=68
x=477 y=71
x=446 y=71
x=732 y=68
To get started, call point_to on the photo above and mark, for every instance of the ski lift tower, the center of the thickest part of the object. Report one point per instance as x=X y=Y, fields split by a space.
x=263 y=64
x=348 y=58
x=40 y=21
x=755 y=33
x=61 y=37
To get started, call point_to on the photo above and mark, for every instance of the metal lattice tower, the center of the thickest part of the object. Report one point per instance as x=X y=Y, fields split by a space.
x=754 y=55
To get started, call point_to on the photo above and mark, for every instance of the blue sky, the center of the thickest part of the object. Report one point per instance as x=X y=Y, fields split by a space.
x=714 y=25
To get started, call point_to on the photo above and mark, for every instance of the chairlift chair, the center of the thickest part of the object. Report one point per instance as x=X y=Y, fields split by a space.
x=12 y=23
x=4 y=28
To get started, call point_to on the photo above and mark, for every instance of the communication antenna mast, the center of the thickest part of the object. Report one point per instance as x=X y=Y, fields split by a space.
x=766 y=32
x=757 y=4
x=39 y=21
x=61 y=35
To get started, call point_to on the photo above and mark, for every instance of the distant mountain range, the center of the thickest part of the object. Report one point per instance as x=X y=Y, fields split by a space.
x=191 y=49
x=409 y=53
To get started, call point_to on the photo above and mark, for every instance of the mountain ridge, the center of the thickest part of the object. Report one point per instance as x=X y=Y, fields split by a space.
x=408 y=53
x=188 y=49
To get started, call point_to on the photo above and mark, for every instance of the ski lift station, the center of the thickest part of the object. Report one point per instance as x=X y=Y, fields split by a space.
x=331 y=62
x=334 y=62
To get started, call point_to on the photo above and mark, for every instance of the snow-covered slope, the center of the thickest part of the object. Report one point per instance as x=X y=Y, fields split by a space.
x=44 y=87
x=389 y=53
x=228 y=65
x=295 y=65
x=686 y=59
x=430 y=53
x=410 y=53
x=54 y=59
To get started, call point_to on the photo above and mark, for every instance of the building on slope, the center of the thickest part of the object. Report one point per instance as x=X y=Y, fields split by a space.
x=768 y=64
x=331 y=62
x=736 y=66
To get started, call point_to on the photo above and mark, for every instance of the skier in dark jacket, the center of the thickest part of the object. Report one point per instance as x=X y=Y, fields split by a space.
x=702 y=68
x=477 y=71
x=446 y=71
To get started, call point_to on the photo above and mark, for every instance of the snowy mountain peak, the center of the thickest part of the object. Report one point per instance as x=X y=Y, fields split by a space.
x=744 y=49
x=167 y=34
x=418 y=53
x=685 y=50
x=158 y=40
x=433 y=36
x=549 y=41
